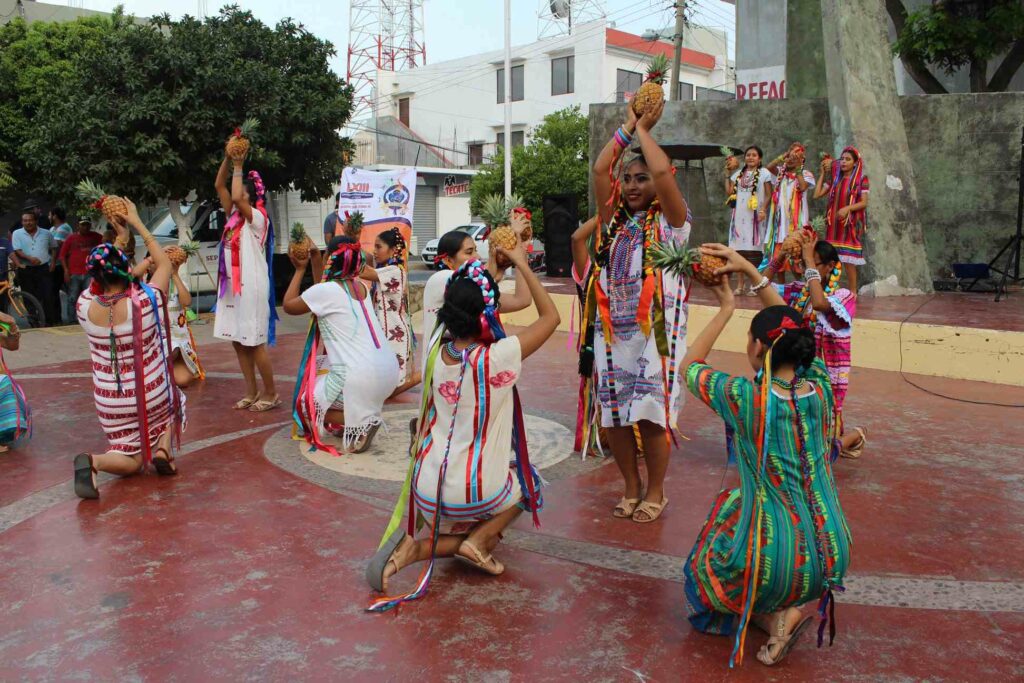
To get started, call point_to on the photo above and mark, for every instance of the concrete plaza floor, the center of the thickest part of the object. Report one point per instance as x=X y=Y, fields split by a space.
x=249 y=565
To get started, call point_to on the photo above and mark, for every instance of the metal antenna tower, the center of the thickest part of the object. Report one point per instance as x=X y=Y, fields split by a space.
x=561 y=17
x=386 y=35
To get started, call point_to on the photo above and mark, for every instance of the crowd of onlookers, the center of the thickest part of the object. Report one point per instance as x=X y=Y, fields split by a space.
x=48 y=256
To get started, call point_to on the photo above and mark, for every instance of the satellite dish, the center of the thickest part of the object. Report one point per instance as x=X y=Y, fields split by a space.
x=560 y=8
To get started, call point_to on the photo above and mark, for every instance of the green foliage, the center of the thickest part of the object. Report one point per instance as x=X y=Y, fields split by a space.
x=554 y=162
x=951 y=35
x=146 y=108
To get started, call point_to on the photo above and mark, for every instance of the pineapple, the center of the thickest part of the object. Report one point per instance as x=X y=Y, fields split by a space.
x=240 y=141
x=817 y=226
x=496 y=211
x=731 y=162
x=516 y=206
x=298 y=248
x=178 y=254
x=681 y=260
x=826 y=164
x=354 y=225
x=112 y=206
x=651 y=93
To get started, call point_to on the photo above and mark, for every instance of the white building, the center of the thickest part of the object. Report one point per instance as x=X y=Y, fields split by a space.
x=451 y=114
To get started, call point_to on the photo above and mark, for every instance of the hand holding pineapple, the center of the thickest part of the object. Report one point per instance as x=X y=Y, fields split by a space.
x=705 y=268
x=239 y=144
x=651 y=116
x=652 y=92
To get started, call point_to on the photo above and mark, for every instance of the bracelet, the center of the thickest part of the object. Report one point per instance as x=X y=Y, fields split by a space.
x=812 y=274
x=761 y=285
x=622 y=138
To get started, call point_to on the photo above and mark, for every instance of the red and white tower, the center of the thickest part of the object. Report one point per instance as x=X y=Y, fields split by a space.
x=382 y=34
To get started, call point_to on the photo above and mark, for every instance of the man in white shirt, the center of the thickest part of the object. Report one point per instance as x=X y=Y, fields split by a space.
x=34 y=248
x=61 y=230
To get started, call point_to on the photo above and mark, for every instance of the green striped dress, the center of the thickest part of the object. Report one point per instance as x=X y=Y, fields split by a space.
x=803 y=548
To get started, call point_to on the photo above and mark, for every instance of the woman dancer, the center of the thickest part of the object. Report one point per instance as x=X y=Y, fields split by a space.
x=15 y=415
x=363 y=371
x=391 y=302
x=789 y=208
x=454 y=249
x=749 y=216
x=829 y=311
x=185 y=363
x=246 y=315
x=780 y=540
x=634 y=324
x=461 y=477
x=846 y=218
x=139 y=407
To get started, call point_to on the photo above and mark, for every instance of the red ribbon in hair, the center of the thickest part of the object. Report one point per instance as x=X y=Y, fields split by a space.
x=786 y=324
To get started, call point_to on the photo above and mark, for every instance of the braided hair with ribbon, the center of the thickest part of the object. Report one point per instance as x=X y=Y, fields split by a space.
x=394 y=240
x=471 y=279
x=108 y=265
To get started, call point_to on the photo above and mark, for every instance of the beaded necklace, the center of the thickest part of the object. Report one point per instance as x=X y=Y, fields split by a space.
x=830 y=287
x=108 y=301
x=453 y=353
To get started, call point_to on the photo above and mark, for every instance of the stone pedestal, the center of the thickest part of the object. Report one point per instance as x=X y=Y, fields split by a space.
x=865 y=111
x=805 y=51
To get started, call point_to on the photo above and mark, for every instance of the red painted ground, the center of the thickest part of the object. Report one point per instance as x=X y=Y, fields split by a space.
x=237 y=569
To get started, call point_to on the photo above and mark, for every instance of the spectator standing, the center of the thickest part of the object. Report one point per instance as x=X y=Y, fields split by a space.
x=34 y=247
x=60 y=230
x=6 y=254
x=73 y=256
x=331 y=222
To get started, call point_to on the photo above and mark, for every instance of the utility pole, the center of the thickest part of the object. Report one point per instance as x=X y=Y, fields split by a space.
x=508 y=99
x=677 y=58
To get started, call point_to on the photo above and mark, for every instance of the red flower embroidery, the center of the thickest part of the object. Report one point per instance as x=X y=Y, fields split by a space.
x=503 y=379
x=449 y=392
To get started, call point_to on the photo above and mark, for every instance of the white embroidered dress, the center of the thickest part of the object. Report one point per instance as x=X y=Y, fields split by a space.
x=361 y=369
x=746 y=231
x=630 y=384
x=480 y=481
x=245 y=318
x=391 y=302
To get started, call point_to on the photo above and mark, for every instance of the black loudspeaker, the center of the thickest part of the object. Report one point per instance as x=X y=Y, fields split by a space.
x=561 y=218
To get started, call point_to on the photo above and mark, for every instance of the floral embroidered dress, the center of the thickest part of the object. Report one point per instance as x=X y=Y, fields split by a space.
x=391 y=301
x=780 y=539
x=480 y=480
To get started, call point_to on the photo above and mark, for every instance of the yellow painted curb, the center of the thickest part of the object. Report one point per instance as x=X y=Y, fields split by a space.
x=938 y=350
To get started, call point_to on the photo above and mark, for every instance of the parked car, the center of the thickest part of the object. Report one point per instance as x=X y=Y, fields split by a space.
x=479 y=232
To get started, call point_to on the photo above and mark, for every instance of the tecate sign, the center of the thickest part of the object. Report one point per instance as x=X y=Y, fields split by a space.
x=766 y=83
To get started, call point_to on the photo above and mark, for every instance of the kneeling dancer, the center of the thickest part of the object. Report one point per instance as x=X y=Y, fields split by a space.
x=779 y=540
x=470 y=425
x=140 y=408
x=362 y=370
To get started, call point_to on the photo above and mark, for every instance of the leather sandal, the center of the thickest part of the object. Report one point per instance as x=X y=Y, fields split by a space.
x=244 y=403
x=263 y=405
x=486 y=563
x=652 y=510
x=164 y=466
x=364 y=444
x=85 y=477
x=625 y=507
x=785 y=642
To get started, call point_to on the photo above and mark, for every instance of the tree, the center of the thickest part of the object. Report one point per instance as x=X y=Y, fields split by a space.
x=146 y=109
x=951 y=35
x=554 y=162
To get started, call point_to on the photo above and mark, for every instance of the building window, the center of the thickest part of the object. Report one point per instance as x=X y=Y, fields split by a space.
x=685 y=91
x=518 y=139
x=517 y=84
x=403 y=111
x=563 y=75
x=476 y=154
x=626 y=84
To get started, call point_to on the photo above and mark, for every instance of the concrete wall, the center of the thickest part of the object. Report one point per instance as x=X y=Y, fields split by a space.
x=965 y=150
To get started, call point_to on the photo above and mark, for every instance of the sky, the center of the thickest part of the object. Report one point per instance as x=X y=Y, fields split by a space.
x=454 y=28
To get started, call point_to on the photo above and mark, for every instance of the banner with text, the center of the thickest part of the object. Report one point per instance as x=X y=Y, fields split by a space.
x=765 y=83
x=385 y=198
